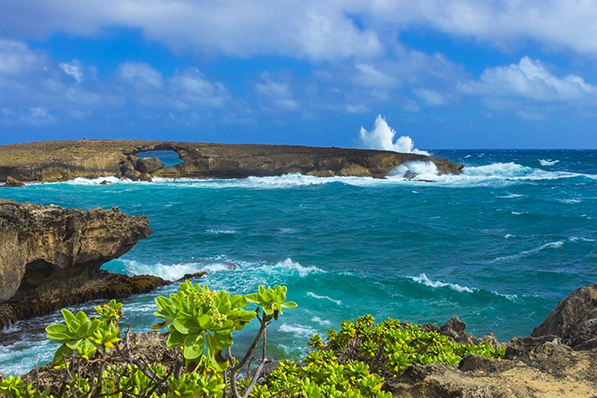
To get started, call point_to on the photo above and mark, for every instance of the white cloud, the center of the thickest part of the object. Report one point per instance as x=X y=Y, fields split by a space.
x=140 y=71
x=190 y=89
x=431 y=97
x=74 y=69
x=314 y=29
x=279 y=93
x=529 y=79
x=16 y=58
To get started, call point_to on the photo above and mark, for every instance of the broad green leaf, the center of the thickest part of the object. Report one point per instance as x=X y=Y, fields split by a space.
x=70 y=319
x=204 y=321
x=289 y=304
x=176 y=339
x=73 y=344
x=186 y=324
x=58 y=360
x=81 y=317
x=193 y=346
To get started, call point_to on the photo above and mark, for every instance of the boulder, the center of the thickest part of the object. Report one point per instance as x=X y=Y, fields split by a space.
x=13 y=182
x=149 y=165
x=39 y=242
x=574 y=320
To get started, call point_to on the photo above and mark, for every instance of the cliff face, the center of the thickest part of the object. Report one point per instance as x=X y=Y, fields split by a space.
x=65 y=160
x=44 y=245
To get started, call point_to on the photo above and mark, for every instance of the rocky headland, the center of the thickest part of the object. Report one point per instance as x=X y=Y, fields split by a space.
x=52 y=161
x=51 y=257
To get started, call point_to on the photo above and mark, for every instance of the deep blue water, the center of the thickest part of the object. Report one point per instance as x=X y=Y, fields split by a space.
x=497 y=246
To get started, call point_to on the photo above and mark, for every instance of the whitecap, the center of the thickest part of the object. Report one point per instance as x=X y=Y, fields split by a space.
x=552 y=245
x=423 y=279
x=577 y=238
x=548 y=162
x=421 y=170
x=297 y=329
x=291 y=267
x=311 y=294
x=510 y=196
x=221 y=231
x=508 y=236
x=322 y=322
x=569 y=201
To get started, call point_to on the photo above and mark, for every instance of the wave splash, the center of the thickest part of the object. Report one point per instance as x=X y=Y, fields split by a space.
x=382 y=137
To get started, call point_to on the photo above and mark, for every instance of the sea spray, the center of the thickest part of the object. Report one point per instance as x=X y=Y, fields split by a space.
x=382 y=137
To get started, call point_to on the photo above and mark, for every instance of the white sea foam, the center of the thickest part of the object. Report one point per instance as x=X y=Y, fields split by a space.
x=174 y=272
x=577 y=238
x=423 y=279
x=221 y=231
x=514 y=257
x=548 y=162
x=311 y=294
x=509 y=196
x=291 y=267
x=382 y=137
x=297 y=330
x=508 y=236
x=322 y=322
x=569 y=201
x=422 y=170
x=96 y=181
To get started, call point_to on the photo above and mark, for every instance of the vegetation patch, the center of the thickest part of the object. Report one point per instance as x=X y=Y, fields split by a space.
x=93 y=360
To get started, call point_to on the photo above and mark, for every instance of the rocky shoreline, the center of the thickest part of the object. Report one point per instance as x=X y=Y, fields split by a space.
x=538 y=366
x=53 y=161
x=51 y=257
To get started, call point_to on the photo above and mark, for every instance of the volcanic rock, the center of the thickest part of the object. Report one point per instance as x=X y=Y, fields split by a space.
x=149 y=165
x=574 y=320
x=65 y=160
x=43 y=245
x=13 y=182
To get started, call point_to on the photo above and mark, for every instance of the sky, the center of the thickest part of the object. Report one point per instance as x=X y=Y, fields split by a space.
x=448 y=74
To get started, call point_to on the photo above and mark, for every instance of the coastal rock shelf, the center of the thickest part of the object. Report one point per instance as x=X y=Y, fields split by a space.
x=53 y=161
x=51 y=256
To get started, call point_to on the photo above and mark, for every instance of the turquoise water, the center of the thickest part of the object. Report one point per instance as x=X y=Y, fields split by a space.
x=497 y=246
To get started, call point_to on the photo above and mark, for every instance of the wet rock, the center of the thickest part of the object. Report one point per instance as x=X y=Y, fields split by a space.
x=13 y=183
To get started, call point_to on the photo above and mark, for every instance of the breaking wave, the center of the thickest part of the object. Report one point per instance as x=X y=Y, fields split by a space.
x=382 y=137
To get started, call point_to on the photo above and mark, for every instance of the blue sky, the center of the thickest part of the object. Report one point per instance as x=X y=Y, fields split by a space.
x=449 y=74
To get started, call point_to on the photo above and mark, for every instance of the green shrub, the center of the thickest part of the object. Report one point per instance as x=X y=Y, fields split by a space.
x=353 y=363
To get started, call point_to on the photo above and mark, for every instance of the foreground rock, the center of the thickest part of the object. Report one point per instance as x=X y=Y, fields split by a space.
x=558 y=360
x=43 y=245
x=65 y=160
x=50 y=257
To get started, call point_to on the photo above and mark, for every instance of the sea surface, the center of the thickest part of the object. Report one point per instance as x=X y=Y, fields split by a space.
x=497 y=246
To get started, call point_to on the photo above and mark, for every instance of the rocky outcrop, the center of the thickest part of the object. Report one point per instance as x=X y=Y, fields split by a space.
x=574 y=320
x=44 y=245
x=558 y=360
x=65 y=160
x=13 y=183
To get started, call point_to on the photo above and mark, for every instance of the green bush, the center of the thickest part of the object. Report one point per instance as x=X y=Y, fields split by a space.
x=352 y=363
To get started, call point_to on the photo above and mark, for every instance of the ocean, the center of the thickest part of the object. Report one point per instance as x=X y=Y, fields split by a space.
x=497 y=246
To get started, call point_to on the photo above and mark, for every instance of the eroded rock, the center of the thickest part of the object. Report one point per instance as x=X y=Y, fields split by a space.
x=44 y=244
x=65 y=160
x=574 y=320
